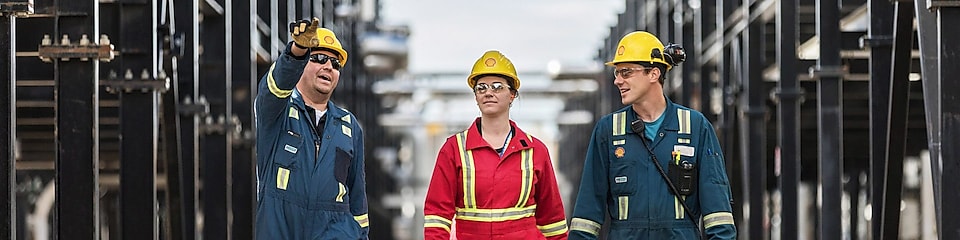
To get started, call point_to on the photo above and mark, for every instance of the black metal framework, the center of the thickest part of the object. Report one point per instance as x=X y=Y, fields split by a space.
x=186 y=81
x=897 y=120
x=244 y=80
x=753 y=128
x=879 y=40
x=217 y=155
x=788 y=95
x=139 y=119
x=949 y=175
x=8 y=91
x=830 y=122
x=77 y=123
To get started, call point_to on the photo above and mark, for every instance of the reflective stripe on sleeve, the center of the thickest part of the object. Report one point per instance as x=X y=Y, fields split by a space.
x=495 y=215
x=272 y=85
x=437 y=221
x=619 y=123
x=717 y=218
x=584 y=225
x=684 y=118
x=526 y=180
x=553 y=229
x=469 y=179
x=363 y=220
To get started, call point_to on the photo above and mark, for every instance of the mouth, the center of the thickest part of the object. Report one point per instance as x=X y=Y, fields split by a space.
x=324 y=77
x=624 y=90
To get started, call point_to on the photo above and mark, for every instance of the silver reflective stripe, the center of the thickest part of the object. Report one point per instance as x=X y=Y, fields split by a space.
x=624 y=207
x=717 y=218
x=619 y=123
x=684 y=117
x=584 y=225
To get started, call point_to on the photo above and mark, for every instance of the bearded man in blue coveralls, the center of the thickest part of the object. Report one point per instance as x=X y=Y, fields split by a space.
x=620 y=178
x=310 y=167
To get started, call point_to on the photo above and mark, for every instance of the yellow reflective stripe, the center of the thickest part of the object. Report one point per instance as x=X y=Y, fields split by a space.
x=624 y=207
x=343 y=191
x=272 y=85
x=584 y=225
x=619 y=123
x=469 y=184
x=526 y=171
x=363 y=220
x=495 y=215
x=283 y=176
x=294 y=113
x=717 y=218
x=553 y=229
x=437 y=221
x=684 y=118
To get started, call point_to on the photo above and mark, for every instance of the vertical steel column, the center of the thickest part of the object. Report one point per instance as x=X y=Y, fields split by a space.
x=788 y=108
x=138 y=121
x=8 y=91
x=728 y=115
x=76 y=85
x=702 y=26
x=879 y=40
x=895 y=144
x=185 y=15
x=685 y=29
x=949 y=56
x=928 y=37
x=216 y=144
x=752 y=126
x=830 y=118
x=244 y=79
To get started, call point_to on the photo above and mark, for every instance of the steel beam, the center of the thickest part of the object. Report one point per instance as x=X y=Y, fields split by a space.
x=949 y=59
x=77 y=127
x=8 y=130
x=244 y=80
x=139 y=122
x=186 y=81
x=686 y=28
x=753 y=127
x=879 y=40
x=895 y=144
x=788 y=110
x=928 y=41
x=830 y=120
x=216 y=144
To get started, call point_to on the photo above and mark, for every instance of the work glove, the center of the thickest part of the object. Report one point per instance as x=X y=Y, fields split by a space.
x=304 y=33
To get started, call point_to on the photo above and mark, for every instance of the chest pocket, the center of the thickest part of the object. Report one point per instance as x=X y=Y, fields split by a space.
x=288 y=146
x=623 y=170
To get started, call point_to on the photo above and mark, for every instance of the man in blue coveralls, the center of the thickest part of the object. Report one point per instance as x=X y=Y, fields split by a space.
x=646 y=200
x=310 y=168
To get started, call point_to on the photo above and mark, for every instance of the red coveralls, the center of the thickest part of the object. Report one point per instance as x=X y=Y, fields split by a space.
x=493 y=197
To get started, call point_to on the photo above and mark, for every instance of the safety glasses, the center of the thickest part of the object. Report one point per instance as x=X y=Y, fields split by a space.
x=627 y=72
x=323 y=58
x=483 y=87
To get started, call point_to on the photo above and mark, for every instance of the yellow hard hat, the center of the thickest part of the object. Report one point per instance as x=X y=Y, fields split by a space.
x=329 y=41
x=494 y=62
x=639 y=46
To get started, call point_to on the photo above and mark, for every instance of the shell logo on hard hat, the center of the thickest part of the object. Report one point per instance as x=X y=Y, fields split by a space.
x=620 y=50
x=330 y=42
x=490 y=62
x=493 y=63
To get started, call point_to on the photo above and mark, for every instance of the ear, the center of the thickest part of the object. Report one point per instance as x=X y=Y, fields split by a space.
x=655 y=75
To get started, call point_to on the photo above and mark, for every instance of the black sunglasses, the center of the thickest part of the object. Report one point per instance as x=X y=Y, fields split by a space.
x=322 y=59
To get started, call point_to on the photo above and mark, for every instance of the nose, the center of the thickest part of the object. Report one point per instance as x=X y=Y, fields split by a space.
x=617 y=80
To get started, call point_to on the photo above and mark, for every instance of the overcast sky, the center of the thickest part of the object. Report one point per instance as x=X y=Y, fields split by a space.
x=449 y=35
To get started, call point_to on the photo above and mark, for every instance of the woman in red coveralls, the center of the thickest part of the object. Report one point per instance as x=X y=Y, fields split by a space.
x=493 y=179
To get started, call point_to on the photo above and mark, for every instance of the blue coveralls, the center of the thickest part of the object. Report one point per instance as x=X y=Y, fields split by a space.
x=308 y=187
x=620 y=178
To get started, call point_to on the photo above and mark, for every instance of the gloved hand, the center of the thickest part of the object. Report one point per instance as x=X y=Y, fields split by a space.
x=304 y=33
